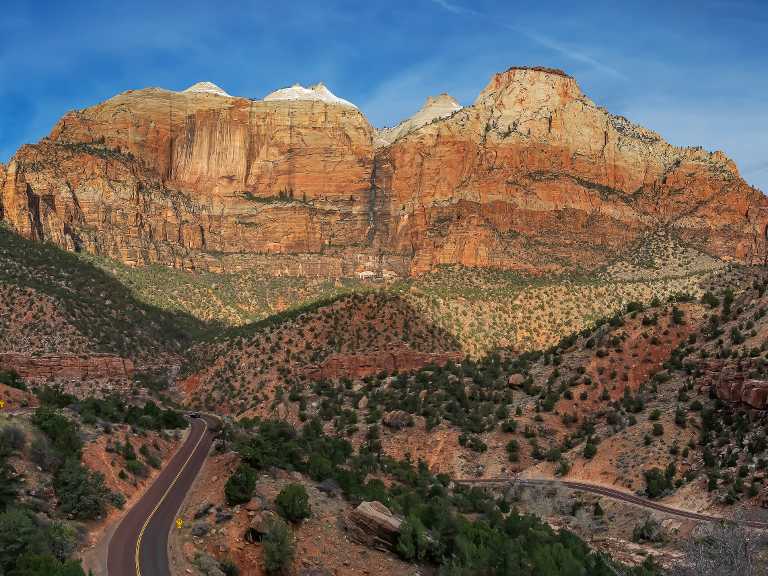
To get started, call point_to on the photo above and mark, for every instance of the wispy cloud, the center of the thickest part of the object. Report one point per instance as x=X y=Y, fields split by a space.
x=454 y=8
x=570 y=52
x=576 y=54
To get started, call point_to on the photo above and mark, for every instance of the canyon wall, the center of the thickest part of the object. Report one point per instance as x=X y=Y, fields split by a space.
x=532 y=176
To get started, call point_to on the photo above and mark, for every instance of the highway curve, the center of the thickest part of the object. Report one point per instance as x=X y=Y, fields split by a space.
x=139 y=546
x=614 y=494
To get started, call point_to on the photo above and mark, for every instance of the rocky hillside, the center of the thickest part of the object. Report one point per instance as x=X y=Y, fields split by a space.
x=533 y=176
x=353 y=335
x=54 y=304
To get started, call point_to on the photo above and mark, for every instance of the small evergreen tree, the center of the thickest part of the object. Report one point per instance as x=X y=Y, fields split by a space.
x=293 y=503
x=239 y=488
x=278 y=547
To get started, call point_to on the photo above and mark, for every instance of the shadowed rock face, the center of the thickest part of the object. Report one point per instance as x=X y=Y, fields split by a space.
x=532 y=176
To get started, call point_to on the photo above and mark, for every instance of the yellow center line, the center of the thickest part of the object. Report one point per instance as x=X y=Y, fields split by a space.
x=160 y=502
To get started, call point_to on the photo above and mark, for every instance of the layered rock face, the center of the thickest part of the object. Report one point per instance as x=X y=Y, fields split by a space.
x=196 y=178
x=56 y=366
x=398 y=359
x=532 y=176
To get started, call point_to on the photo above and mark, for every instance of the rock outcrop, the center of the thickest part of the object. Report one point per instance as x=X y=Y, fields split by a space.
x=400 y=359
x=374 y=525
x=752 y=393
x=733 y=381
x=46 y=368
x=532 y=176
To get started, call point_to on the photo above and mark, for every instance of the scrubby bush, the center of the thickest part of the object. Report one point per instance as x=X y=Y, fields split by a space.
x=239 y=488
x=278 y=547
x=293 y=503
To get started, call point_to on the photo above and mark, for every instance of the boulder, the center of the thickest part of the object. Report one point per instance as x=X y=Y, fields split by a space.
x=330 y=488
x=208 y=565
x=315 y=571
x=203 y=511
x=397 y=419
x=223 y=516
x=374 y=525
x=515 y=380
x=259 y=526
x=200 y=529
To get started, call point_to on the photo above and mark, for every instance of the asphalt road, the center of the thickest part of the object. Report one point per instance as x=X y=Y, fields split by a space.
x=139 y=546
x=614 y=494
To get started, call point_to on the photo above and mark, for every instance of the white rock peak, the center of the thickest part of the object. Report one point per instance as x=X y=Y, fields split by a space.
x=317 y=92
x=435 y=108
x=206 y=88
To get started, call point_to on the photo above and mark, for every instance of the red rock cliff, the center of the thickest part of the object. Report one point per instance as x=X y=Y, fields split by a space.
x=193 y=178
x=533 y=176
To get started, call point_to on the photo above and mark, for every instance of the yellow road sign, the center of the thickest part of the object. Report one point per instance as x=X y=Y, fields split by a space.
x=179 y=522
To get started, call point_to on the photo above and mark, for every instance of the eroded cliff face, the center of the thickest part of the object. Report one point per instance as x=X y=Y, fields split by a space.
x=197 y=179
x=535 y=176
x=532 y=176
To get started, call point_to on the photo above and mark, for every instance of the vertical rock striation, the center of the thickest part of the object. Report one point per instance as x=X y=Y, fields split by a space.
x=532 y=176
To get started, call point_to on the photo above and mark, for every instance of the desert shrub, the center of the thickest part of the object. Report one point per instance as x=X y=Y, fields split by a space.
x=293 y=503
x=658 y=482
x=648 y=531
x=11 y=378
x=590 y=450
x=239 y=488
x=278 y=547
x=412 y=542
x=9 y=483
x=136 y=468
x=81 y=493
x=12 y=439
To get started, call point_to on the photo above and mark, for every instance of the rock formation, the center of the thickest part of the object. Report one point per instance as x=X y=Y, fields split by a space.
x=374 y=525
x=195 y=179
x=397 y=359
x=532 y=176
x=535 y=176
x=435 y=108
x=48 y=367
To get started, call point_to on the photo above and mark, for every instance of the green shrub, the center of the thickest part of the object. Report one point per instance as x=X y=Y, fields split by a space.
x=590 y=450
x=12 y=439
x=81 y=492
x=658 y=483
x=278 y=547
x=11 y=378
x=412 y=542
x=293 y=503
x=239 y=488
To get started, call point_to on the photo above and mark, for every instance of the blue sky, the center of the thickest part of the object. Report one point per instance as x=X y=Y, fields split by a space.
x=696 y=72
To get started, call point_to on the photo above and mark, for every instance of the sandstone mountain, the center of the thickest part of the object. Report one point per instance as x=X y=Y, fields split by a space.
x=435 y=108
x=533 y=176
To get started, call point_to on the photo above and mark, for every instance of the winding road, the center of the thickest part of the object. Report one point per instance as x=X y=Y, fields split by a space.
x=139 y=546
x=610 y=493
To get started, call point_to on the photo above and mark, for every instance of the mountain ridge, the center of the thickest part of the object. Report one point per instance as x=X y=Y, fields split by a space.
x=306 y=188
